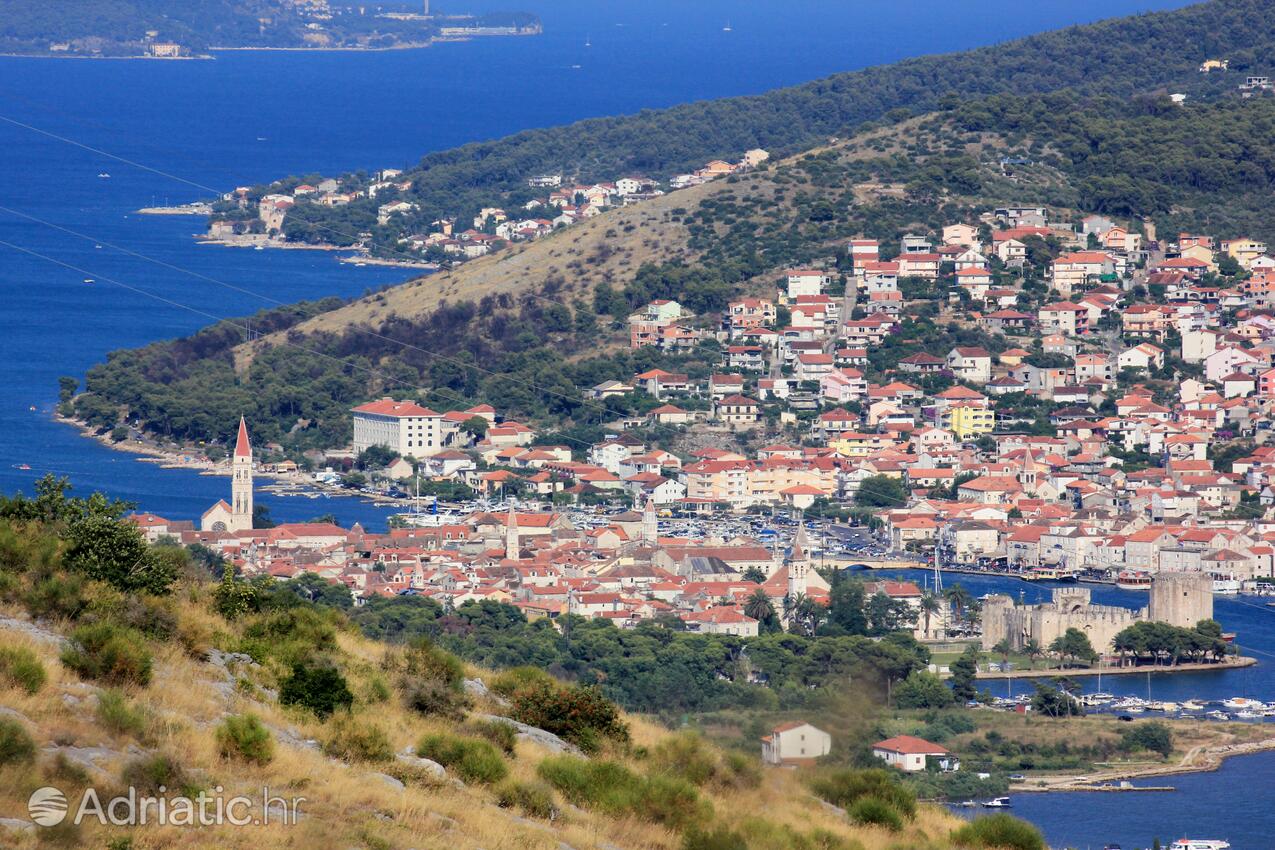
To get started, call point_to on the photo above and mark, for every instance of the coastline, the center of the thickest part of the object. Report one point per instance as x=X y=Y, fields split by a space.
x=353 y=255
x=1196 y=760
x=186 y=459
x=1238 y=663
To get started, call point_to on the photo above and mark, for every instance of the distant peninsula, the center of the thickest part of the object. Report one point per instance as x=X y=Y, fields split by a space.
x=178 y=29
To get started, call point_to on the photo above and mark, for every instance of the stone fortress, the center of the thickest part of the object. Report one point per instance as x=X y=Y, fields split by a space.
x=1179 y=599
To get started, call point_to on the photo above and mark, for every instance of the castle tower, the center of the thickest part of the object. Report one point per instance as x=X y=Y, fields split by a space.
x=650 y=524
x=798 y=565
x=512 y=547
x=241 y=481
x=1181 y=599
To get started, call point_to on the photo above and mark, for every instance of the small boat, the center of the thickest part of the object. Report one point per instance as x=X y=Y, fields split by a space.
x=1199 y=844
x=726 y=28
x=1192 y=705
x=969 y=804
x=1218 y=715
x=89 y=280
x=24 y=466
x=259 y=247
x=1250 y=714
x=997 y=803
x=104 y=175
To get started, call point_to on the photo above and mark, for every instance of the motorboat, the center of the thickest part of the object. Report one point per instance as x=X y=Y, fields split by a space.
x=1133 y=580
x=1238 y=703
x=1250 y=714
x=997 y=803
x=1192 y=705
x=1218 y=715
x=969 y=804
x=1199 y=844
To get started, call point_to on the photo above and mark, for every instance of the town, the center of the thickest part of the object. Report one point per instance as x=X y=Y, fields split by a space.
x=1053 y=450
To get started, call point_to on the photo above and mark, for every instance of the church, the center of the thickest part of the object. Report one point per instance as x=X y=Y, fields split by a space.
x=236 y=516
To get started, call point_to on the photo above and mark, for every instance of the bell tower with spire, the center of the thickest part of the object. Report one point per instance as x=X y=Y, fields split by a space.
x=513 y=548
x=241 y=481
x=650 y=524
x=798 y=565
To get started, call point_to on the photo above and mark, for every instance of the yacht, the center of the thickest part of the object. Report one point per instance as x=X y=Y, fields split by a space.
x=1096 y=698
x=1226 y=586
x=1237 y=703
x=1199 y=844
x=997 y=803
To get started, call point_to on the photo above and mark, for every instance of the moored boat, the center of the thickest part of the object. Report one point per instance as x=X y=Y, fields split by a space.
x=1133 y=580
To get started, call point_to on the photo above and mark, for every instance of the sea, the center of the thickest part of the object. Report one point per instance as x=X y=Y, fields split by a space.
x=82 y=274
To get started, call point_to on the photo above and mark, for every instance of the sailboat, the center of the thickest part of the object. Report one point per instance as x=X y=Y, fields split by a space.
x=588 y=42
x=726 y=28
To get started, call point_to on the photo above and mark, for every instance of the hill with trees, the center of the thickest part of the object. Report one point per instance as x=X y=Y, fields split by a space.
x=1124 y=57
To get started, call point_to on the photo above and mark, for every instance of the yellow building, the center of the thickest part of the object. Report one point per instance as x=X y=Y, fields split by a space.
x=967 y=423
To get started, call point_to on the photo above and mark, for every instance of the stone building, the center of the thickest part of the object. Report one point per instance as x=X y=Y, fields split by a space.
x=1179 y=599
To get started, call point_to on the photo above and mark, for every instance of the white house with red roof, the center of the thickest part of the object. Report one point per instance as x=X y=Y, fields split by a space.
x=911 y=754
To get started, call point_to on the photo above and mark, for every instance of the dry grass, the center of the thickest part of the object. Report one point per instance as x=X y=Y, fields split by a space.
x=346 y=806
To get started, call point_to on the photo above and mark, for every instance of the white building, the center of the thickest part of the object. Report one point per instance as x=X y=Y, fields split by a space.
x=404 y=426
x=911 y=754
x=795 y=743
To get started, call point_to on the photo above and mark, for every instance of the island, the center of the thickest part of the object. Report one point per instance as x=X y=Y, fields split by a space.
x=172 y=29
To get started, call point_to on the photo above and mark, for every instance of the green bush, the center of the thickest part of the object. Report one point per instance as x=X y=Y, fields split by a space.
x=472 y=759
x=999 y=831
x=21 y=668
x=579 y=715
x=844 y=787
x=353 y=740
x=533 y=799
x=116 y=715
x=612 y=788
x=686 y=755
x=151 y=773
x=424 y=660
x=510 y=681
x=292 y=636
x=243 y=737
x=873 y=811
x=434 y=698
x=108 y=653
x=16 y=746
x=721 y=838
x=318 y=688
x=499 y=732
x=1153 y=736
x=56 y=597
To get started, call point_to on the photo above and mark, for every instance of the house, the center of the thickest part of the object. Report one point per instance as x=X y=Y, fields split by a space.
x=1073 y=271
x=1064 y=317
x=737 y=410
x=795 y=743
x=970 y=364
x=1143 y=356
x=912 y=754
x=807 y=282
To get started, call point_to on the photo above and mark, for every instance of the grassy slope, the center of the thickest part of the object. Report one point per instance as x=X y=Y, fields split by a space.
x=347 y=805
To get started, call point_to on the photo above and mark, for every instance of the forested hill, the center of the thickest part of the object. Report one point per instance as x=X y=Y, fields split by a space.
x=1121 y=57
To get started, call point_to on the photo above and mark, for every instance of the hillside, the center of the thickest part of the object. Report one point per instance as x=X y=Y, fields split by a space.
x=127 y=665
x=1123 y=57
x=529 y=328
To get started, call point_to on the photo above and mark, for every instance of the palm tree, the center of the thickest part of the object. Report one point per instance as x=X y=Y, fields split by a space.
x=960 y=598
x=930 y=605
x=758 y=606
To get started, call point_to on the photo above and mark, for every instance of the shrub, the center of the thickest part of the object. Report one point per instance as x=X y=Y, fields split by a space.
x=434 y=698
x=151 y=617
x=721 y=838
x=21 y=668
x=873 y=811
x=580 y=715
x=243 y=737
x=1153 y=736
x=151 y=773
x=510 y=681
x=108 y=653
x=292 y=636
x=687 y=756
x=352 y=740
x=319 y=688
x=56 y=597
x=472 y=759
x=844 y=787
x=533 y=799
x=1000 y=831
x=118 y=717
x=16 y=746
x=424 y=660
x=500 y=733
x=613 y=788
